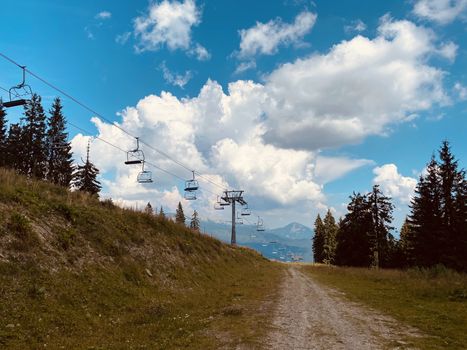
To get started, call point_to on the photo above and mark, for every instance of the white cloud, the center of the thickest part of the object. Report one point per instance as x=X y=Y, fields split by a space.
x=244 y=66
x=440 y=11
x=104 y=15
x=200 y=52
x=265 y=38
x=448 y=51
x=175 y=79
x=461 y=91
x=329 y=169
x=169 y=23
x=394 y=184
x=266 y=138
x=356 y=26
x=123 y=38
x=358 y=88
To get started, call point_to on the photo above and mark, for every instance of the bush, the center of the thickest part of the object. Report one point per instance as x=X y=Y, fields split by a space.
x=20 y=227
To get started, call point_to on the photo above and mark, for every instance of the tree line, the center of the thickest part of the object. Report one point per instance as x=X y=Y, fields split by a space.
x=179 y=216
x=37 y=146
x=435 y=231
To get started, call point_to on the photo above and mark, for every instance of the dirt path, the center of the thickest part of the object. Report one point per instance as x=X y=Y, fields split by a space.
x=311 y=316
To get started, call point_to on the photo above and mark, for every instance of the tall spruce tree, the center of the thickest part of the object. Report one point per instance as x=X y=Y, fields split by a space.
x=179 y=215
x=194 y=223
x=14 y=148
x=405 y=245
x=425 y=219
x=353 y=246
x=3 y=137
x=59 y=155
x=161 y=213
x=85 y=177
x=381 y=209
x=34 y=139
x=318 y=240
x=330 y=233
x=148 y=210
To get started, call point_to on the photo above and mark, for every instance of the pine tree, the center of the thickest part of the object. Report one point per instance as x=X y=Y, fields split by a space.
x=381 y=209
x=179 y=215
x=34 y=139
x=148 y=210
x=85 y=177
x=14 y=148
x=330 y=233
x=59 y=155
x=353 y=246
x=405 y=245
x=318 y=240
x=194 y=223
x=161 y=213
x=425 y=219
x=3 y=137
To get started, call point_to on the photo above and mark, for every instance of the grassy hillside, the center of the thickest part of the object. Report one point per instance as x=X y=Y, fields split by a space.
x=432 y=300
x=76 y=273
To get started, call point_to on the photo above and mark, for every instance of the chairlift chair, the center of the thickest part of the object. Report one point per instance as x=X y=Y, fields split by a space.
x=260 y=225
x=144 y=176
x=18 y=91
x=191 y=185
x=135 y=156
x=190 y=196
x=246 y=211
x=217 y=205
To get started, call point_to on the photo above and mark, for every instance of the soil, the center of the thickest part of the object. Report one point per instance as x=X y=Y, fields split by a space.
x=311 y=316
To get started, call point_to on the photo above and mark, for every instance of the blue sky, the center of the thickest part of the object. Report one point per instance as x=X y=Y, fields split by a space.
x=297 y=102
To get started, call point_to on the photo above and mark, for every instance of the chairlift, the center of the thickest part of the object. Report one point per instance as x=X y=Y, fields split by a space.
x=218 y=205
x=239 y=220
x=135 y=156
x=191 y=185
x=246 y=211
x=19 y=91
x=260 y=225
x=144 y=176
x=190 y=196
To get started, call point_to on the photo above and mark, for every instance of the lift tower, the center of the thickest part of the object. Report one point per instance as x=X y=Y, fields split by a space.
x=233 y=197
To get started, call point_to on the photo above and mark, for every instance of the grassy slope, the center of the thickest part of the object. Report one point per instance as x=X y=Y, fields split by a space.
x=76 y=273
x=434 y=301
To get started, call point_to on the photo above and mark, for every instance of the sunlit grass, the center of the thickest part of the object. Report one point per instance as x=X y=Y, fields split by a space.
x=76 y=273
x=432 y=300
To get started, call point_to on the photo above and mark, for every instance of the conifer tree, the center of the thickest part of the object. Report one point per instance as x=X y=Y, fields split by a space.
x=14 y=148
x=161 y=213
x=179 y=215
x=34 y=139
x=85 y=177
x=3 y=137
x=59 y=155
x=194 y=223
x=318 y=240
x=405 y=245
x=381 y=209
x=425 y=219
x=353 y=246
x=330 y=233
x=148 y=210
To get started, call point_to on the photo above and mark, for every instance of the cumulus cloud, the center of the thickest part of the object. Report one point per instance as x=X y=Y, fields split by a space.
x=394 y=184
x=266 y=138
x=265 y=38
x=122 y=38
x=358 y=88
x=169 y=23
x=440 y=11
x=175 y=79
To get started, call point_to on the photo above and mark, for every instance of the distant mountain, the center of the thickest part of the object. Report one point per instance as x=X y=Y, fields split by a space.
x=281 y=243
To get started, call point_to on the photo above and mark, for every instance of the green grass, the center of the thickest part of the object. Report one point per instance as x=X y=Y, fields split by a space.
x=433 y=300
x=76 y=273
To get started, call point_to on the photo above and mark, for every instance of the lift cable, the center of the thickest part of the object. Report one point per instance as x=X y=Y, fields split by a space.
x=109 y=121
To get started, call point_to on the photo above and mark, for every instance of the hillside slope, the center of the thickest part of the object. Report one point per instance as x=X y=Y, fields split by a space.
x=78 y=273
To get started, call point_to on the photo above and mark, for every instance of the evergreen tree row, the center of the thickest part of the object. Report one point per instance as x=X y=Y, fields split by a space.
x=38 y=147
x=434 y=233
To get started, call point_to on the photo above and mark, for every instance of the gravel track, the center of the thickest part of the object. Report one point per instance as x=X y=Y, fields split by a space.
x=311 y=316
